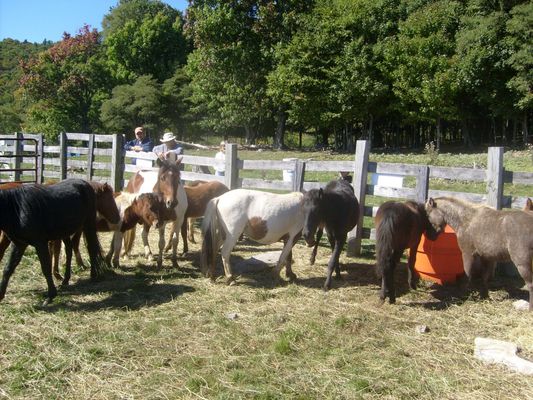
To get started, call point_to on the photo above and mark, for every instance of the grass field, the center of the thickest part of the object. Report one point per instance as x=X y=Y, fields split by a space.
x=169 y=334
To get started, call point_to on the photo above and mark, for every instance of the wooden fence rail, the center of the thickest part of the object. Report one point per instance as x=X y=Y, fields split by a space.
x=101 y=158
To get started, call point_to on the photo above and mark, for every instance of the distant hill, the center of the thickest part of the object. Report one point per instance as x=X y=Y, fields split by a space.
x=11 y=52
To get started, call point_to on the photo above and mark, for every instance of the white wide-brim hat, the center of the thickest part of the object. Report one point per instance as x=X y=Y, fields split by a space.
x=167 y=137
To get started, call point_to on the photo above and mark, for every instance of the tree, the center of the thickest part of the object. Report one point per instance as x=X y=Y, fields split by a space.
x=519 y=35
x=421 y=63
x=144 y=37
x=65 y=85
x=140 y=103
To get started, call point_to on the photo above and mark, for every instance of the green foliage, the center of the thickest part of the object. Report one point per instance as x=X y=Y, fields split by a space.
x=64 y=86
x=144 y=37
x=140 y=103
x=519 y=38
x=12 y=52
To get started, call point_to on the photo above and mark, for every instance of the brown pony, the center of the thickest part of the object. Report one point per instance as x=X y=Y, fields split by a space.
x=145 y=209
x=486 y=236
x=399 y=226
x=198 y=195
x=529 y=205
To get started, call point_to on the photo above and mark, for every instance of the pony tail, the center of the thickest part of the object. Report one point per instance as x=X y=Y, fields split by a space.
x=210 y=243
x=384 y=245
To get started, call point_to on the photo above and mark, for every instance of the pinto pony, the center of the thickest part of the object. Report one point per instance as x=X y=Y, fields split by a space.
x=486 y=236
x=166 y=183
x=399 y=226
x=264 y=217
x=336 y=208
x=35 y=214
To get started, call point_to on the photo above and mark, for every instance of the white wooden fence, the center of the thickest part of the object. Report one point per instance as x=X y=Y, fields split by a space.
x=101 y=158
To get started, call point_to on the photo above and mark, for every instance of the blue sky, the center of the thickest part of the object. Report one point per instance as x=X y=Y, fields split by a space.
x=36 y=20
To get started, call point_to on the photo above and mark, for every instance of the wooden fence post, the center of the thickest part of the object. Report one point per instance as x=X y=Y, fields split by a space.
x=422 y=184
x=360 y=176
x=90 y=157
x=117 y=162
x=495 y=177
x=39 y=173
x=63 y=155
x=232 y=167
x=299 y=176
x=17 y=152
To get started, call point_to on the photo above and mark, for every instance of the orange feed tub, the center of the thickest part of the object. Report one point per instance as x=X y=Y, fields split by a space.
x=440 y=261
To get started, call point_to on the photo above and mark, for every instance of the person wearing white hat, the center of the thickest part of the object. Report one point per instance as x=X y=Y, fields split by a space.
x=220 y=169
x=168 y=146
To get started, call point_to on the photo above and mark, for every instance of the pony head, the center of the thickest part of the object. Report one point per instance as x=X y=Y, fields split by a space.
x=435 y=217
x=168 y=180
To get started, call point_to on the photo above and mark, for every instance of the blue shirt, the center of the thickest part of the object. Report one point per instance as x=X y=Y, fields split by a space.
x=146 y=144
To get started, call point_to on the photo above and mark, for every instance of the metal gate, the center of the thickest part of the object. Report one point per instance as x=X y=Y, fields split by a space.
x=14 y=163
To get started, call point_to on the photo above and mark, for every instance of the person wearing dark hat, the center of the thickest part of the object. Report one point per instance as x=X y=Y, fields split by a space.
x=140 y=143
x=168 y=147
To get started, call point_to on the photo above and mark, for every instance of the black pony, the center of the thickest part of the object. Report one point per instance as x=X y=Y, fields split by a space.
x=336 y=208
x=35 y=214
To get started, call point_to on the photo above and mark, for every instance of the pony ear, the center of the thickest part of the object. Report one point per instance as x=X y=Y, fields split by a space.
x=320 y=193
x=159 y=161
x=431 y=202
x=178 y=161
x=529 y=203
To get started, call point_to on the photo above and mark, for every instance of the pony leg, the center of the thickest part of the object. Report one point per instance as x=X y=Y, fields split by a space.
x=184 y=228
x=412 y=276
x=54 y=247
x=161 y=244
x=288 y=268
x=114 y=249
x=524 y=269
x=175 y=239
x=76 y=249
x=4 y=244
x=46 y=267
x=334 y=262
x=285 y=253
x=190 y=228
x=14 y=259
x=225 y=252
x=319 y=233
x=144 y=235
x=68 y=265
x=169 y=243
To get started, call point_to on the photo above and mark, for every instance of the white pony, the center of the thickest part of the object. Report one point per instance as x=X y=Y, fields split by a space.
x=264 y=217
x=166 y=182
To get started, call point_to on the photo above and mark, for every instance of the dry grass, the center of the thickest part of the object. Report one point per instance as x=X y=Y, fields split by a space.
x=146 y=334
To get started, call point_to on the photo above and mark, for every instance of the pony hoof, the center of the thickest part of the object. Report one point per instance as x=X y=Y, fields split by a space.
x=292 y=277
x=325 y=288
x=231 y=281
x=312 y=261
x=46 y=302
x=58 y=277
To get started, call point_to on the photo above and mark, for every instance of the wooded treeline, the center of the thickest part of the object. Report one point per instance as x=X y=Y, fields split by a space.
x=398 y=72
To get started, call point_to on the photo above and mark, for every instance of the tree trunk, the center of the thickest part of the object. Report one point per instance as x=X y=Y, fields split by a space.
x=370 y=130
x=250 y=135
x=438 y=133
x=524 y=128
x=280 y=129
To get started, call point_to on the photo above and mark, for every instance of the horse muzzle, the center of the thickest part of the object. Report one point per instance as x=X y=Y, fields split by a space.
x=171 y=204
